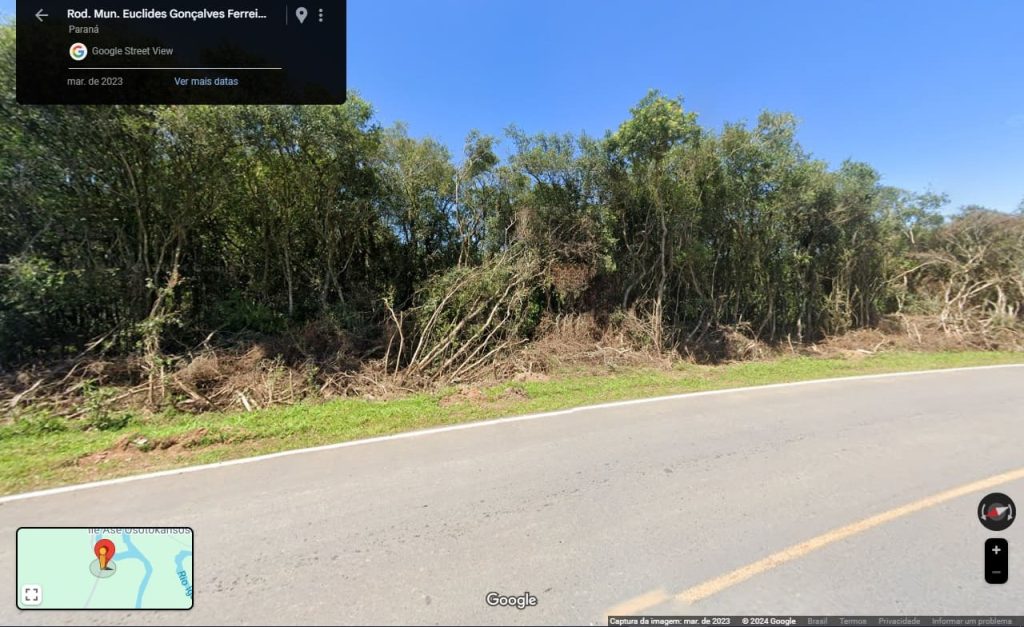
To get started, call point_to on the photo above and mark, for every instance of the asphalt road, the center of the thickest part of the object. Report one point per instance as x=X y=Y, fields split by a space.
x=591 y=509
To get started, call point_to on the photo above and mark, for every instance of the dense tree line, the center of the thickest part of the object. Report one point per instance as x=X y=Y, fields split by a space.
x=144 y=229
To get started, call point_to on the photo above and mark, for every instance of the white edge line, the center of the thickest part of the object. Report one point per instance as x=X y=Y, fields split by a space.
x=477 y=424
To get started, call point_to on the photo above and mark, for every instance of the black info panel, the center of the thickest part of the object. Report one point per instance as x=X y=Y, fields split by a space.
x=180 y=52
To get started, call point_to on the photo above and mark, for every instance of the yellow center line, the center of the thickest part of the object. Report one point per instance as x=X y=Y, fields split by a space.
x=639 y=604
x=718 y=584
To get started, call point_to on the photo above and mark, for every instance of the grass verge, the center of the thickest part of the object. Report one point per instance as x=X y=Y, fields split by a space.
x=38 y=452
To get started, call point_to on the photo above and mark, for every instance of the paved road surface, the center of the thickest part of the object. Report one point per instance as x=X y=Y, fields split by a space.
x=590 y=509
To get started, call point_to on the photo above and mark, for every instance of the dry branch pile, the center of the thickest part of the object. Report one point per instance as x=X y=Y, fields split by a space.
x=465 y=321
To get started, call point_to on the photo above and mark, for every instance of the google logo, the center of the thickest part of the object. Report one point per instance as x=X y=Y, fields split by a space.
x=78 y=51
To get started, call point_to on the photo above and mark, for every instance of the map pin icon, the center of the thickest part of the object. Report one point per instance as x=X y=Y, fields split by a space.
x=301 y=13
x=104 y=551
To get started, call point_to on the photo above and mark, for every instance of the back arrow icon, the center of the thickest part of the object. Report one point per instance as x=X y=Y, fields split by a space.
x=40 y=15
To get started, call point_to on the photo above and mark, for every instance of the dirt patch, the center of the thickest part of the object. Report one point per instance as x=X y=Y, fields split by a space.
x=136 y=446
x=515 y=393
x=476 y=396
x=463 y=395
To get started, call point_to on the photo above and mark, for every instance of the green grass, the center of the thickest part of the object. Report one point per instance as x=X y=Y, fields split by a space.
x=39 y=451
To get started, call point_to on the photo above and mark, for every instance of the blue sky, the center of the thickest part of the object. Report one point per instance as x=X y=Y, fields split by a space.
x=930 y=93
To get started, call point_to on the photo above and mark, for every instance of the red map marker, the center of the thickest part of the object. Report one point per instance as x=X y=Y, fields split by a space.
x=104 y=551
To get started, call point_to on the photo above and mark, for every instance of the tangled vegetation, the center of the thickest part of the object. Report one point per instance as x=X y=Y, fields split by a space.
x=137 y=242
